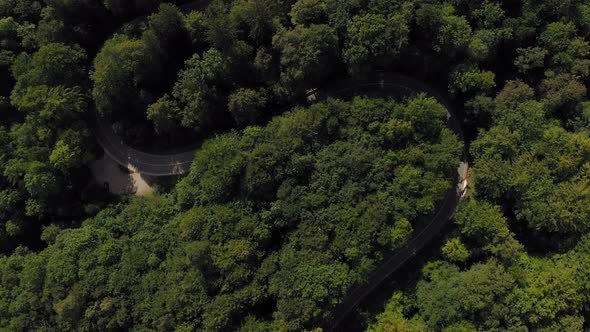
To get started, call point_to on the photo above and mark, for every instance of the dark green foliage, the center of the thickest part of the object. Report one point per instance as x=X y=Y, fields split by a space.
x=307 y=55
x=256 y=19
x=451 y=32
x=277 y=221
x=127 y=70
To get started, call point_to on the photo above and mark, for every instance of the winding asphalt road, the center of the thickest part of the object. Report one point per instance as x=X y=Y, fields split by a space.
x=390 y=84
x=397 y=260
x=135 y=160
x=179 y=163
x=131 y=158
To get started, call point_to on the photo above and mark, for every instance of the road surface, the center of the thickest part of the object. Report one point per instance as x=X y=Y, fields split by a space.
x=133 y=159
x=397 y=260
x=388 y=84
x=179 y=163
x=391 y=84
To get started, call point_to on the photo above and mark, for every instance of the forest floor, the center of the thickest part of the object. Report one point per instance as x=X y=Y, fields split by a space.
x=106 y=170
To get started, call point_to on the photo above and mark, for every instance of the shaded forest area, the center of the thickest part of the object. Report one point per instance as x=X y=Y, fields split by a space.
x=283 y=212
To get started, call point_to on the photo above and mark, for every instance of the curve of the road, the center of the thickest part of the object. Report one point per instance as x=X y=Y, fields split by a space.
x=398 y=86
x=392 y=84
x=133 y=159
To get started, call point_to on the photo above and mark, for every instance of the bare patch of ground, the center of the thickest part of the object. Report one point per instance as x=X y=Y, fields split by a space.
x=106 y=170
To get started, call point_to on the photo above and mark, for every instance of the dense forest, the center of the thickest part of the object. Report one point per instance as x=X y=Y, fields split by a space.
x=290 y=203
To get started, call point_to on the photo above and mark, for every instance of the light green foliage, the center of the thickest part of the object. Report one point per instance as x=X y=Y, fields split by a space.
x=246 y=105
x=57 y=64
x=401 y=233
x=42 y=149
x=196 y=89
x=306 y=12
x=164 y=113
x=427 y=116
x=488 y=30
x=293 y=213
x=526 y=121
x=277 y=221
x=67 y=152
x=479 y=46
x=131 y=70
x=549 y=290
x=392 y=319
x=371 y=36
x=485 y=224
x=446 y=295
x=569 y=53
x=50 y=233
x=481 y=221
x=452 y=32
x=214 y=173
x=120 y=68
x=455 y=251
x=469 y=80
x=538 y=162
x=315 y=281
x=488 y=15
x=553 y=194
x=39 y=182
x=9 y=199
x=52 y=65
x=494 y=150
x=530 y=58
x=484 y=43
x=52 y=104
x=340 y=12
x=274 y=158
x=556 y=36
x=307 y=53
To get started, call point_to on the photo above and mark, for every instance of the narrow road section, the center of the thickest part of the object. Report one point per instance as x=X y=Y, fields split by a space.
x=397 y=260
x=383 y=84
x=179 y=163
x=133 y=159
x=399 y=86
